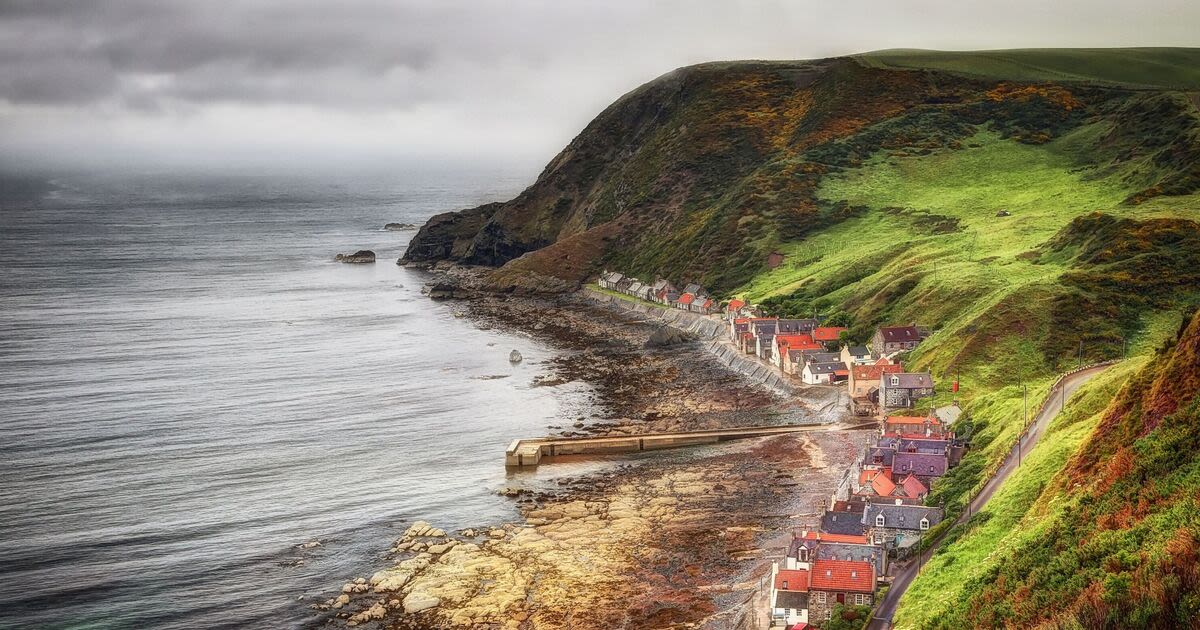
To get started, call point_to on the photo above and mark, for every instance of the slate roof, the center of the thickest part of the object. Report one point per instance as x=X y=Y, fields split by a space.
x=919 y=445
x=797 y=325
x=614 y=277
x=853 y=553
x=797 y=580
x=694 y=289
x=924 y=464
x=842 y=523
x=885 y=454
x=842 y=575
x=859 y=351
x=792 y=599
x=903 y=516
x=822 y=357
x=910 y=380
x=899 y=334
x=825 y=368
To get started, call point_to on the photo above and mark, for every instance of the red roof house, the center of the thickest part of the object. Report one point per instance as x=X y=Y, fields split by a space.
x=827 y=334
x=795 y=580
x=734 y=305
x=845 y=576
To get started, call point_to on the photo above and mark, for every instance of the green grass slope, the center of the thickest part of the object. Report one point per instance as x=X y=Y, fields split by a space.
x=1106 y=534
x=1170 y=68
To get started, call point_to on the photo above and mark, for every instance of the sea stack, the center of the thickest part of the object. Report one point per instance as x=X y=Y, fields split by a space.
x=358 y=257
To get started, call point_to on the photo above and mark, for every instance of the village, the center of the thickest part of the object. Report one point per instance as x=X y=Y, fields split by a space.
x=877 y=513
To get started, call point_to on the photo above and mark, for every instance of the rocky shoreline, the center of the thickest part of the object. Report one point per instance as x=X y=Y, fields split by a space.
x=679 y=541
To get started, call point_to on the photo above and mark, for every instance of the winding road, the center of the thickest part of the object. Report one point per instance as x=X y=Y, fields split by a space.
x=908 y=571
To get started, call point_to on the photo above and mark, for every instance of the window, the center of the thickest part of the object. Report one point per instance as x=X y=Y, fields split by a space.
x=803 y=555
x=829 y=614
x=931 y=469
x=858 y=600
x=785 y=585
x=879 y=521
x=820 y=597
x=895 y=380
x=924 y=523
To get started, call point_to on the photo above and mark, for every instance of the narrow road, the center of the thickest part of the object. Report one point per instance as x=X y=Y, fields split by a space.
x=906 y=573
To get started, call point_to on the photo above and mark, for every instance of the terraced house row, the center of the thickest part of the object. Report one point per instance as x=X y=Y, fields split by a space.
x=693 y=297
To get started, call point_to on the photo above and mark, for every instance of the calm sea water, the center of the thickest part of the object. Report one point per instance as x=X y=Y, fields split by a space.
x=190 y=388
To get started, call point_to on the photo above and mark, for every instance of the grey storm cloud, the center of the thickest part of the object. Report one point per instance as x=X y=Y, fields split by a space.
x=118 y=79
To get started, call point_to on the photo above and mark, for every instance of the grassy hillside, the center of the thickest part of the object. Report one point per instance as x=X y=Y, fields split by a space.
x=704 y=172
x=1173 y=68
x=1106 y=535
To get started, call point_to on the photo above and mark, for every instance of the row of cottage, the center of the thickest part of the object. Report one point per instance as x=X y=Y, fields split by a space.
x=878 y=507
x=819 y=355
x=692 y=298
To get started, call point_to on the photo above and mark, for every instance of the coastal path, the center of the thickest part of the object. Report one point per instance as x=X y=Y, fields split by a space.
x=1055 y=403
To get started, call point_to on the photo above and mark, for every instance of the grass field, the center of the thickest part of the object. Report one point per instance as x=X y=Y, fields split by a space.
x=1173 y=68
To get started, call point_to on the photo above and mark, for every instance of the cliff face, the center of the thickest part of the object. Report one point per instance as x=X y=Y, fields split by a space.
x=702 y=173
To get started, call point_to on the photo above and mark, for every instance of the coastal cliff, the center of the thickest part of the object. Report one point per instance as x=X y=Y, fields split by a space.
x=705 y=172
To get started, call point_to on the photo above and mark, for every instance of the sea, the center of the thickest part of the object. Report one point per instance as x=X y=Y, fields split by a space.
x=191 y=389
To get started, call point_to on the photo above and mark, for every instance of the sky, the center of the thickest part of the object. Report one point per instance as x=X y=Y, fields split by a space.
x=299 y=83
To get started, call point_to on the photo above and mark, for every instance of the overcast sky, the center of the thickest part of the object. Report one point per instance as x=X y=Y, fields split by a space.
x=262 y=82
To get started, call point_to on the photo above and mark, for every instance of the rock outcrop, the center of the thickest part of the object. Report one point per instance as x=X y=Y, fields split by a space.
x=400 y=227
x=666 y=336
x=359 y=257
x=447 y=236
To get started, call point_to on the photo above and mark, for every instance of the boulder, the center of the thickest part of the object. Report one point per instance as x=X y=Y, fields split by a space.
x=444 y=291
x=416 y=602
x=665 y=336
x=515 y=357
x=400 y=227
x=358 y=257
x=374 y=612
x=341 y=600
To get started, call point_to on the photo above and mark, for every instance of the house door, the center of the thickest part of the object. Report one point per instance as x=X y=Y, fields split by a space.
x=841 y=598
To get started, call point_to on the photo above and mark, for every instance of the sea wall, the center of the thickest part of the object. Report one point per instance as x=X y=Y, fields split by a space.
x=710 y=331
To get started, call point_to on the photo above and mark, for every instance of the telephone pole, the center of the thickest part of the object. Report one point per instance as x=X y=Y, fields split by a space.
x=1025 y=388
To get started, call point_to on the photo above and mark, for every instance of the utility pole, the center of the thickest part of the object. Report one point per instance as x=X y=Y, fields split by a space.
x=1081 y=353
x=1025 y=387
